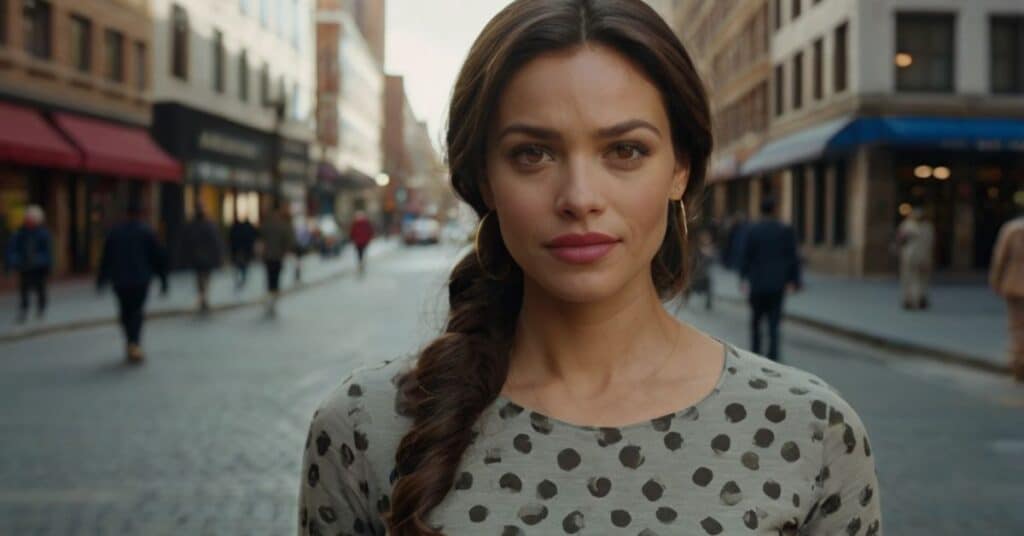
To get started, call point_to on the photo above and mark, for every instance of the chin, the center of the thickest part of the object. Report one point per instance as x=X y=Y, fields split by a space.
x=580 y=287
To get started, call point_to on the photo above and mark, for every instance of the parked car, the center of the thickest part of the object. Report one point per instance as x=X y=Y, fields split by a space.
x=422 y=231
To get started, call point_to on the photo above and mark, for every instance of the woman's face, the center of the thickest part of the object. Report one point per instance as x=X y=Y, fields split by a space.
x=580 y=170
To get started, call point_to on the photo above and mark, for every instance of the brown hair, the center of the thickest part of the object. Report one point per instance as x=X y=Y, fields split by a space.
x=461 y=372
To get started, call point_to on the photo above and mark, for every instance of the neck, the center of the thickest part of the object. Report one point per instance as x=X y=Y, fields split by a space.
x=590 y=348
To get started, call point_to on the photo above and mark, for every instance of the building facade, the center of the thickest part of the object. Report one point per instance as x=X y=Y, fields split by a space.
x=350 y=112
x=878 y=106
x=75 y=108
x=233 y=91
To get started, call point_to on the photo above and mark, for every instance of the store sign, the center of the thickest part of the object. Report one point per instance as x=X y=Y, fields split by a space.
x=219 y=142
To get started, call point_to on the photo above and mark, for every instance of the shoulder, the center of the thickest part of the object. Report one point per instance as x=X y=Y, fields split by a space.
x=363 y=407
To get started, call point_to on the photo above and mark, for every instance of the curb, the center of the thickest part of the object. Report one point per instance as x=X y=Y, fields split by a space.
x=78 y=325
x=929 y=352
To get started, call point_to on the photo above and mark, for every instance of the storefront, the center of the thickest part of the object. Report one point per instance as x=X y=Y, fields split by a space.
x=82 y=171
x=228 y=167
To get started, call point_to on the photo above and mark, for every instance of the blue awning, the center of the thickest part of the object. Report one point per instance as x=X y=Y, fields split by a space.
x=843 y=135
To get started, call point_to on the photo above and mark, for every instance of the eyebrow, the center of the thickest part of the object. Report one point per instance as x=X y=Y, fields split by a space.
x=606 y=132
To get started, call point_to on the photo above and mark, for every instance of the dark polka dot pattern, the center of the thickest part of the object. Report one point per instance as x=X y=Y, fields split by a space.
x=772 y=450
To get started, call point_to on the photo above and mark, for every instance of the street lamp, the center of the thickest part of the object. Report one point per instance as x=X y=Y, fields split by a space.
x=382 y=179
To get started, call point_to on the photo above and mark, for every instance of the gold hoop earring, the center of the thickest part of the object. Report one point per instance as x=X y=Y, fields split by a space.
x=686 y=230
x=476 y=248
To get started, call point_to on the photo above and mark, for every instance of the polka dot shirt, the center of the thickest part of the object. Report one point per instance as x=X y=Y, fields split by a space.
x=772 y=450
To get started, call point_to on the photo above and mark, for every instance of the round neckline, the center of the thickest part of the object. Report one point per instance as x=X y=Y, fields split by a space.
x=727 y=351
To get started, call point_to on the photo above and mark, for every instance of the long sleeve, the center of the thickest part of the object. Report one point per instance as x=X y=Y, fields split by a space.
x=849 y=501
x=334 y=494
x=999 y=257
x=792 y=251
x=157 y=257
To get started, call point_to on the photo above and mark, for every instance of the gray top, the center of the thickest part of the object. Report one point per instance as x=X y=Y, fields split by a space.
x=772 y=450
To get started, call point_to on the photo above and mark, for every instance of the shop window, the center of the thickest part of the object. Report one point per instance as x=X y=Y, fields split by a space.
x=81 y=43
x=115 y=55
x=839 y=60
x=218 y=61
x=819 y=203
x=924 y=52
x=819 y=51
x=839 y=200
x=799 y=202
x=243 y=75
x=780 y=95
x=38 y=26
x=798 y=80
x=179 y=42
x=141 y=66
x=1007 y=50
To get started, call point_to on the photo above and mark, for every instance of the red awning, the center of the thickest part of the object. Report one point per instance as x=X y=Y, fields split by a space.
x=118 y=150
x=27 y=139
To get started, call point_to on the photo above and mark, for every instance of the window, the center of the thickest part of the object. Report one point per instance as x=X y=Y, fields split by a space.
x=777 y=14
x=839 y=205
x=35 y=16
x=81 y=43
x=1007 y=49
x=264 y=13
x=819 y=51
x=243 y=6
x=799 y=203
x=924 y=52
x=798 y=80
x=796 y=9
x=115 y=55
x=839 y=77
x=218 y=61
x=780 y=95
x=243 y=75
x=179 y=42
x=141 y=62
x=819 y=203
x=265 y=85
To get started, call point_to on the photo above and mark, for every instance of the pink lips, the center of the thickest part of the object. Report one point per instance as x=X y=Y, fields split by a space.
x=581 y=248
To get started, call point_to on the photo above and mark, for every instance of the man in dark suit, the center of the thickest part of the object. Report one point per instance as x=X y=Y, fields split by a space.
x=769 y=267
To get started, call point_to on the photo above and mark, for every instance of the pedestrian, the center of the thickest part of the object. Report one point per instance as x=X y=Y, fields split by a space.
x=202 y=252
x=562 y=396
x=132 y=255
x=703 y=259
x=915 y=240
x=734 y=241
x=242 y=237
x=278 y=237
x=361 y=233
x=1006 y=276
x=769 y=268
x=30 y=253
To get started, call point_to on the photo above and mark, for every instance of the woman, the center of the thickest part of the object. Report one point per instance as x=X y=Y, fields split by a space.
x=562 y=397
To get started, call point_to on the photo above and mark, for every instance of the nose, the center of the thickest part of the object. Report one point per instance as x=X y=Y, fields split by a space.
x=578 y=193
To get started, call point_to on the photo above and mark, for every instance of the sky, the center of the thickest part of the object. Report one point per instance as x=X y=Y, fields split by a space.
x=427 y=43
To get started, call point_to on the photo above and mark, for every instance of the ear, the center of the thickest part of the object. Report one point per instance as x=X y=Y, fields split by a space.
x=680 y=179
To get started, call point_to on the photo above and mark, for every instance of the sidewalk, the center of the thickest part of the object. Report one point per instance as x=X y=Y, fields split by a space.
x=75 y=304
x=966 y=322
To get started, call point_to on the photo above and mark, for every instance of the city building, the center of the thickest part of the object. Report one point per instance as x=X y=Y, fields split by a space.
x=75 y=109
x=878 y=106
x=350 y=112
x=233 y=91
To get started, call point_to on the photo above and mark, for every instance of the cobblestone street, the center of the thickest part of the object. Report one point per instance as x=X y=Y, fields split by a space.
x=206 y=437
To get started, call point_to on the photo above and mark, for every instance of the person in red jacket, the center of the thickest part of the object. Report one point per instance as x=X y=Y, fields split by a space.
x=361 y=234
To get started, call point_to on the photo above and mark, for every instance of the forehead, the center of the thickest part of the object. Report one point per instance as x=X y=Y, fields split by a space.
x=589 y=86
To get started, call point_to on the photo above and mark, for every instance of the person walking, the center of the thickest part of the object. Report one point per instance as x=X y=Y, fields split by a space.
x=242 y=236
x=703 y=259
x=1006 y=276
x=30 y=253
x=561 y=396
x=915 y=240
x=278 y=237
x=769 y=267
x=361 y=234
x=132 y=255
x=202 y=251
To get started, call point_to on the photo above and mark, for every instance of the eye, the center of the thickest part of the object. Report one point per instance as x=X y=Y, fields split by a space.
x=529 y=155
x=629 y=151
